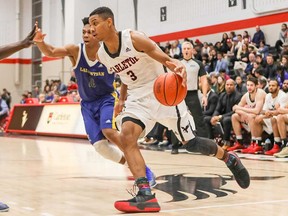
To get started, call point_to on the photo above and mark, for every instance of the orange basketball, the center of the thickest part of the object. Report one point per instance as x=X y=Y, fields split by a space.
x=168 y=89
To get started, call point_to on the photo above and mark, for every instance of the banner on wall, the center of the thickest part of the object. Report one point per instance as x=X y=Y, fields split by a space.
x=25 y=118
x=61 y=119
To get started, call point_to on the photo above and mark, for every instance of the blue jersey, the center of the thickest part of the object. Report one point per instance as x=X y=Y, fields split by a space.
x=93 y=78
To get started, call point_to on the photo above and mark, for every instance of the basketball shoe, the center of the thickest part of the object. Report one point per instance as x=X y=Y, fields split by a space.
x=151 y=177
x=236 y=147
x=276 y=148
x=139 y=203
x=4 y=207
x=249 y=148
x=283 y=153
x=240 y=173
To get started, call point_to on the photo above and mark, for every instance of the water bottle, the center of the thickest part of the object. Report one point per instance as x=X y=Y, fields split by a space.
x=268 y=145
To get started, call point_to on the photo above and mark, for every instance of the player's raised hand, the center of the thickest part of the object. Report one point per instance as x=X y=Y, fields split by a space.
x=39 y=37
x=178 y=68
x=29 y=39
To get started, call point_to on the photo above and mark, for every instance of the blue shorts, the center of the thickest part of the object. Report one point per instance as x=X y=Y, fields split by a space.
x=98 y=115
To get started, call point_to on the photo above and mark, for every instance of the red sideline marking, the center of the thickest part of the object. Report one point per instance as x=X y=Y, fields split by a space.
x=241 y=24
x=46 y=58
x=16 y=61
x=25 y=61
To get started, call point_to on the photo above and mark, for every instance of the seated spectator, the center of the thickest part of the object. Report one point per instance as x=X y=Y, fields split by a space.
x=285 y=49
x=223 y=73
x=212 y=99
x=6 y=95
x=221 y=63
x=263 y=84
x=175 y=51
x=271 y=68
x=220 y=86
x=258 y=36
x=4 y=110
x=72 y=86
x=285 y=86
x=35 y=92
x=243 y=53
x=260 y=60
x=223 y=112
x=213 y=60
x=282 y=36
x=23 y=99
x=214 y=80
x=42 y=98
x=240 y=85
x=250 y=65
x=281 y=75
x=245 y=112
x=246 y=35
x=263 y=49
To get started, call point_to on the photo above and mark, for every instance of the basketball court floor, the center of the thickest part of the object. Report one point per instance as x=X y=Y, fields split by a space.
x=48 y=176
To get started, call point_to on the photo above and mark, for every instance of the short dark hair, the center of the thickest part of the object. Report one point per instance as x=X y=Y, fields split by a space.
x=85 y=21
x=253 y=79
x=275 y=80
x=103 y=12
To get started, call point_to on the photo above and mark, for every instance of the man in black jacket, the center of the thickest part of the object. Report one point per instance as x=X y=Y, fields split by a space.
x=223 y=112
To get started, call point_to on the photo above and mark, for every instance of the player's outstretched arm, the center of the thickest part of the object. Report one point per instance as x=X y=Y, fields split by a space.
x=10 y=49
x=51 y=51
x=144 y=44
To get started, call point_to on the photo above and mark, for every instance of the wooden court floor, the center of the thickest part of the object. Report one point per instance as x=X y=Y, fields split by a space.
x=46 y=176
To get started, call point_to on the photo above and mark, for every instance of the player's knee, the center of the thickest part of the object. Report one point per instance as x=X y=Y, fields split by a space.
x=108 y=151
x=203 y=145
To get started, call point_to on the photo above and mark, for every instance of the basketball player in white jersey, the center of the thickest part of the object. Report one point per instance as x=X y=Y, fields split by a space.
x=6 y=51
x=267 y=118
x=138 y=61
x=97 y=92
x=251 y=104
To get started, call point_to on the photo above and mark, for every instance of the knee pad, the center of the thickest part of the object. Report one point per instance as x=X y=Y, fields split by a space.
x=108 y=151
x=203 y=145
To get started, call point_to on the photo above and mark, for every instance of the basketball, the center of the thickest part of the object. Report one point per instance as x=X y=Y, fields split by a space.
x=168 y=89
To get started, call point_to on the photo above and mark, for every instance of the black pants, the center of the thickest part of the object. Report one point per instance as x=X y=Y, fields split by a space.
x=194 y=106
x=226 y=124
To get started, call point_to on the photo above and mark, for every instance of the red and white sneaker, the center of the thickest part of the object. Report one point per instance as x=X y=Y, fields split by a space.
x=140 y=203
x=249 y=148
x=237 y=147
x=256 y=150
x=276 y=148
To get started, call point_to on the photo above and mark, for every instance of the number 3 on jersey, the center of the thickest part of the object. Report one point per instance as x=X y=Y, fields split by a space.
x=132 y=75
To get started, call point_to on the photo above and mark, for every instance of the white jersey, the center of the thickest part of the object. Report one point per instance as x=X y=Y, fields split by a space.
x=136 y=69
x=271 y=102
x=252 y=103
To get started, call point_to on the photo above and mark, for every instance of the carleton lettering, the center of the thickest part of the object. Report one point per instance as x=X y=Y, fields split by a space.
x=124 y=64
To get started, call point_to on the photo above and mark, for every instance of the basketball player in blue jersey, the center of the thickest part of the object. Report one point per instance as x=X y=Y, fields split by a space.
x=97 y=92
x=139 y=61
x=6 y=51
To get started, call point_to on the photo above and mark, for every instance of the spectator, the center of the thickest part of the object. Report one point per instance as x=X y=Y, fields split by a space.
x=220 y=86
x=282 y=36
x=271 y=68
x=246 y=35
x=285 y=86
x=35 y=92
x=42 y=98
x=285 y=49
x=240 y=85
x=6 y=95
x=221 y=63
x=175 y=51
x=258 y=36
x=23 y=99
x=61 y=88
x=212 y=99
x=263 y=49
x=250 y=65
x=213 y=60
x=4 y=110
x=263 y=84
x=223 y=112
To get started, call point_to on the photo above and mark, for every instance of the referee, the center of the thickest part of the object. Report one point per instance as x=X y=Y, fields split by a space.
x=195 y=70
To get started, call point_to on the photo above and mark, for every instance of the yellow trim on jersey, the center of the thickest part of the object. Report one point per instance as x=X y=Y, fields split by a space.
x=115 y=95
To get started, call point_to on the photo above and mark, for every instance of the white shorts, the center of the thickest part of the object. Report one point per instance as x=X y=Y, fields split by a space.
x=149 y=111
x=267 y=126
x=245 y=126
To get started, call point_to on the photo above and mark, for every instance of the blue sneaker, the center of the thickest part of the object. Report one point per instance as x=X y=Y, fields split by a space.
x=4 y=207
x=151 y=177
